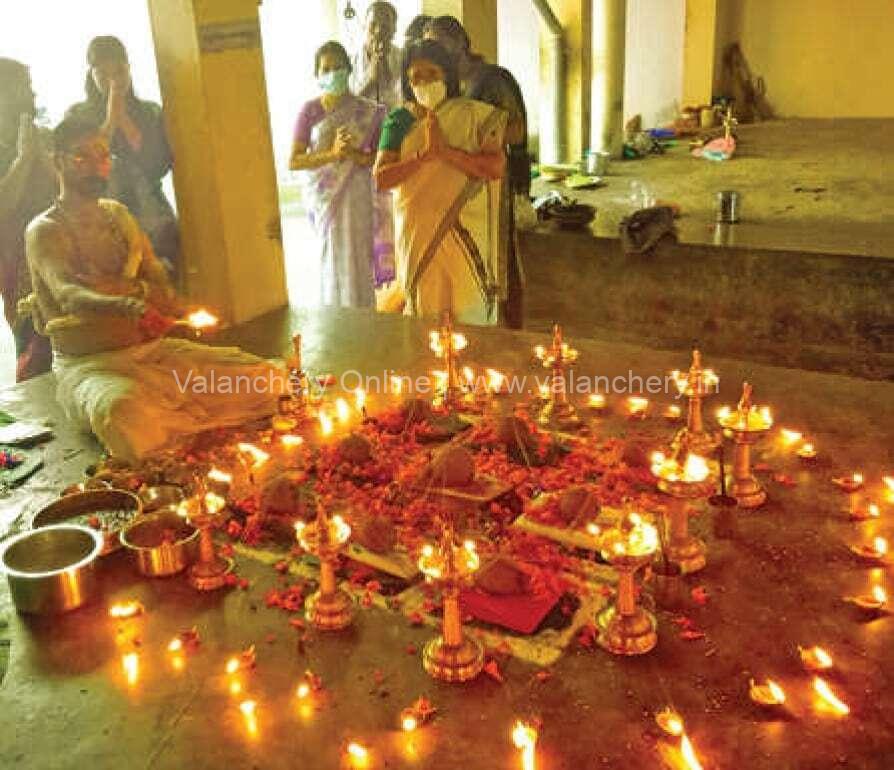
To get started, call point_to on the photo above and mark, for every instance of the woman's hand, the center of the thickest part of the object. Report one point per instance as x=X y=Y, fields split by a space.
x=343 y=144
x=435 y=144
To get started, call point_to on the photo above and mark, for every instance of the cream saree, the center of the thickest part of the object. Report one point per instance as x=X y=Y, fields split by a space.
x=448 y=250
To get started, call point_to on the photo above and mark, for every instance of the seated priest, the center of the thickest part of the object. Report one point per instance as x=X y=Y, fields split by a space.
x=105 y=301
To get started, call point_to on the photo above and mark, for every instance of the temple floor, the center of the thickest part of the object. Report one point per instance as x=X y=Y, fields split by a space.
x=775 y=579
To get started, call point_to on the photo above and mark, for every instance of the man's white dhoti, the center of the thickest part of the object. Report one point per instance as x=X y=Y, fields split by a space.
x=140 y=399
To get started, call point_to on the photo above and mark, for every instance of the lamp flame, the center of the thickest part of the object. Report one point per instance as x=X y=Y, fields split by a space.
x=396 y=384
x=130 y=662
x=326 y=424
x=249 y=709
x=636 y=405
x=769 y=694
x=342 y=410
x=201 y=319
x=670 y=721
x=496 y=381
x=596 y=401
x=879 y=594
x=790 y=437
x=128 y=609
x=524 y=738
x=816 y=658
x=880 y=545
x=303 y=690
x=222 y=477
x=688 y=753
x=359 y=755
x=359 y=399
x=258 y=456
x=828 y=698
x=290 y=441
x=408 y=723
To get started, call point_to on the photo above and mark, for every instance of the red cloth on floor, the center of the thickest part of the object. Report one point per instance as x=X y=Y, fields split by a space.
x=517 y=612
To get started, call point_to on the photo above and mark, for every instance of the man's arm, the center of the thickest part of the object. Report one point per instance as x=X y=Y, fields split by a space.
x=46 y=247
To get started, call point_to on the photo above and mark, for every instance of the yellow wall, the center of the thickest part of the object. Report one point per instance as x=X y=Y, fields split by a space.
x=819 y=58
x=479 y=17
x=698 y=51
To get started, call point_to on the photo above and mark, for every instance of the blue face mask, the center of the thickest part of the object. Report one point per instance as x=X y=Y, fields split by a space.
x=335 y=82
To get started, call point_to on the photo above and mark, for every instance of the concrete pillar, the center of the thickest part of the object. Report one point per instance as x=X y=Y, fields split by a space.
x=609 y=53
x=212 y=81
x=479 y=17
x=575 y=17
x=698 y=51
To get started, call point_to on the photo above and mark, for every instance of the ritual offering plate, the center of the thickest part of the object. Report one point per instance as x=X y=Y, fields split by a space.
x=107 y=511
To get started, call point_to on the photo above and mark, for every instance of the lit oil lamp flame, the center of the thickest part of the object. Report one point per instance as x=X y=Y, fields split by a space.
x=258 y=456
x=130 y=662
x=880 y=546
x=326 y=424
x=593 y=529
x=638 y=539
x=596 y=401
x=396 y=384
x=816 y=658
x=687 y=752
x=873 y=510
x=673 y=412
x=201 y=319
x=807 y=451
x=342 y=410
x=303 y=691
x=128 y=609
x=524 y=738
x=468 y=375
x=358 y=755
x=249 y=714
x=408 y=723
x=670 y=722
x=889 y=485
x=768 y=694
x=544 y=392
x=693 y=471
x=637 y=406
x=359 y=399
x=235 y=687
x=175 y=645
x=459 y=341
x=290 y=441
x=232 y=666
x=496 y=381
x=828 y=699
x=790 y=437
x=214 y=503
x=222 y=477
x=539 y=352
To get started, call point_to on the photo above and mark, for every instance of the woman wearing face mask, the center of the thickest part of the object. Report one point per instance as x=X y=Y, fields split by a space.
x=141 y=156
x=333 y=146
x=442 y=155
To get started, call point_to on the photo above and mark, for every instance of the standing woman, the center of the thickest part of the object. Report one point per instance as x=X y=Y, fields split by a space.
x=27 y=188
x=334 y=147
x=442 y=155
x=141 y=156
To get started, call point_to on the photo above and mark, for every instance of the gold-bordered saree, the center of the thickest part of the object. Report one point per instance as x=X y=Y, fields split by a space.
x=448 y=249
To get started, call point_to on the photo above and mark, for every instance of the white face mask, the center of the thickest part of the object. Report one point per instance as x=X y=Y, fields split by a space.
x=430 y=95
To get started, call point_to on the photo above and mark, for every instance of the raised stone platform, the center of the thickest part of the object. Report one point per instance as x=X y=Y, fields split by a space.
x=805 y=279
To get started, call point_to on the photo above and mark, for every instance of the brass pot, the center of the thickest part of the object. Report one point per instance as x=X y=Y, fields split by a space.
x=51 y=569
x=163 y=543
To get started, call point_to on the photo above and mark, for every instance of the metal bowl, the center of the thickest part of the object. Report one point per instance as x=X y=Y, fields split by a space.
x=160 y=496
x=114 y=508
x=51 y=569
x=163 y=543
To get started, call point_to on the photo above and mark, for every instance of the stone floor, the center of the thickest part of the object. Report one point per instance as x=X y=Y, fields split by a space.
x=809 y=185
x=775 y=580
